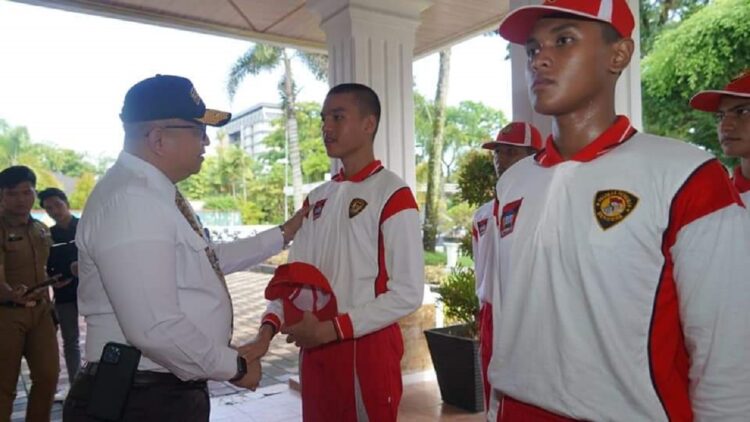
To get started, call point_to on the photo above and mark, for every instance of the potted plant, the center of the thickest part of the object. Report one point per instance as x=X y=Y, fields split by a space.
x=455 y=349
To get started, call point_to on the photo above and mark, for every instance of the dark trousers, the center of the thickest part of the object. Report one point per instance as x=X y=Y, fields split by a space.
x=67 y=316
x=157 y=402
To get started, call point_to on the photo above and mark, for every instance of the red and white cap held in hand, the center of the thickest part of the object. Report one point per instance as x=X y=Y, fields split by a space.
x=518 y=134
x=709 y=100
x=518 y=23
x=302 y=287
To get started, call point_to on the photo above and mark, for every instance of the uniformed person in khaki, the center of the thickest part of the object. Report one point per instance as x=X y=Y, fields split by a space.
x=26 y=325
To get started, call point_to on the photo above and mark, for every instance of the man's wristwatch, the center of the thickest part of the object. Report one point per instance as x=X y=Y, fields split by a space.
x=241 y=369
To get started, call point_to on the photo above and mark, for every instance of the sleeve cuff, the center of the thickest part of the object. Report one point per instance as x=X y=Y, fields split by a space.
x=272 y=319
x=344 y=327
x=228 y=366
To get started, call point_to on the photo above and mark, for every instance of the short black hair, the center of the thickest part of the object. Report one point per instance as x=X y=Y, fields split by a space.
x=14 y=175
x=609 y=33
x=51 y=193
x=367 y=99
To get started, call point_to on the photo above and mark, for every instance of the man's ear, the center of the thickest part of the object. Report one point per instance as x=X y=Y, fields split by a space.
x=622 y=53
x=371 y=124
x=154 y=140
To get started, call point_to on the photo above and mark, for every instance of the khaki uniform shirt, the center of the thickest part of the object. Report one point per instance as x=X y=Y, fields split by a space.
x=24 y=250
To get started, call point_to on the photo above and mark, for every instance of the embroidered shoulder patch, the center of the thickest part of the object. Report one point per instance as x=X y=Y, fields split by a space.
x=318 y=209
x=356 y=207
x=508 y=217
x=482 y=226
x=613 y=206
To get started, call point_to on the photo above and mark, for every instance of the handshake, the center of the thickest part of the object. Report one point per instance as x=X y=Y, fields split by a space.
x=307 y=333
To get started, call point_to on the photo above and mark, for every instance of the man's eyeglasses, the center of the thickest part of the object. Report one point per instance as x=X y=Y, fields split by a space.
x=740 y=112
x=200 y=130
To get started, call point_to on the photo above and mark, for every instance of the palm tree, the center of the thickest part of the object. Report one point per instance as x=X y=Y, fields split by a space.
x=263 y=57
x=434 y=165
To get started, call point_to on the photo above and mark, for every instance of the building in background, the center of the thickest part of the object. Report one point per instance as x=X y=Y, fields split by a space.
x=249 y=128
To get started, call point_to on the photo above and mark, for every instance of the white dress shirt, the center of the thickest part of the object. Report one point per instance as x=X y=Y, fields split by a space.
x=145 y=278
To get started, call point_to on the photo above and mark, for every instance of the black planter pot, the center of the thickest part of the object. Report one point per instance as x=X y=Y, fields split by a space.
x=457 y=365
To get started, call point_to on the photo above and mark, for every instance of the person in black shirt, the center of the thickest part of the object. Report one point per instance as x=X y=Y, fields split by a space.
x=63 y=261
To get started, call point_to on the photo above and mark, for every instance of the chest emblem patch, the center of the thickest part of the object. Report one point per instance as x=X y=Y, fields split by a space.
x=508 y=217
x=318 y=209
x=613 y=206
x=482 y=226
x=356 y=207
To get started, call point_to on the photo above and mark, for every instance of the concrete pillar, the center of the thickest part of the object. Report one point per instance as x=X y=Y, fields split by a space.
x=628 y=94
x=372 y=42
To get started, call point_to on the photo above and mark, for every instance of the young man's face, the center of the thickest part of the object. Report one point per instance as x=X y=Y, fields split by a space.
x=567 y=64
x=345 y=130
x=504 y=156
x=734 y=126
x=18 y=200
x=57 y=209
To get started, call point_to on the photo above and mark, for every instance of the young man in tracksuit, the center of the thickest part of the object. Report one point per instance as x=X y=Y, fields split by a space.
x=732 y=109
x=515 y=141
x=362 y=233
x=624 y=290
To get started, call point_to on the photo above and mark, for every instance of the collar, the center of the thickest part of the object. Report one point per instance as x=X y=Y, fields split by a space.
x=8 y=221
x=740 y=181
x=361 y=175
x=619 y=132
x=153 y=176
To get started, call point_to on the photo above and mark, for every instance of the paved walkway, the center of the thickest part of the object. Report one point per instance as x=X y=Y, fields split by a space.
x=279 y=365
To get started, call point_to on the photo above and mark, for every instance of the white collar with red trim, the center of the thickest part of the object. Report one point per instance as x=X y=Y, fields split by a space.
x=361 y=175
x=620 y=131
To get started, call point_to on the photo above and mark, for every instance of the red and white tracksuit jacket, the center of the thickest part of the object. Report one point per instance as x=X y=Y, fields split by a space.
x=363 y=234
x=484 y=235
x=743 y=186
x=624 y=285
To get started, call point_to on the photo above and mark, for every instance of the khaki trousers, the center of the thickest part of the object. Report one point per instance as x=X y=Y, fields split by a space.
x=29 y=333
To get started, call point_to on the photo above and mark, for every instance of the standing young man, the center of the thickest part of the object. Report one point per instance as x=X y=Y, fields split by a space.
x=63 y=261
x=732 y=109
x=26 y=326
x=623 y=256
x=362 y=233
x=514 y=142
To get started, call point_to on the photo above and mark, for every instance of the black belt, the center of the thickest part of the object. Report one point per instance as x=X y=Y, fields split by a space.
x=149 y=378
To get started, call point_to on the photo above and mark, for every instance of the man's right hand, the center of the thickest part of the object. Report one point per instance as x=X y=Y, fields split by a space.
x=257 y=348
x=12 y=294
x=251 y=380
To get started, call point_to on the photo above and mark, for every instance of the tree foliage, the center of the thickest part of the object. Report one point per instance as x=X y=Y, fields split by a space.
x=704 y=52
x=476 y=178
x=658 y=15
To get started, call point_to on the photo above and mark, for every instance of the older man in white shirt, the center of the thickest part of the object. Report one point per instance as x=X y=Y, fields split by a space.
x=149 y=277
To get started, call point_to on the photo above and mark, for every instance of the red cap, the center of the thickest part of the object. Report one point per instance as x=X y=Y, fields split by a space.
x=518 y=134
x=518 y=24
x=709 y=100
x=302 y=287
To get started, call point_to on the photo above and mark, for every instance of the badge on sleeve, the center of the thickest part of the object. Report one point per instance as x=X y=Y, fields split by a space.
x=356 y=207
x=613 y=206
x=508 y=217
x=318 y=209
x=482 y=226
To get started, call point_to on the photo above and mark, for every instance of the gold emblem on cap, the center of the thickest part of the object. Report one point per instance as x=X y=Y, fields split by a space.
x=356 y=207
x=194 y=95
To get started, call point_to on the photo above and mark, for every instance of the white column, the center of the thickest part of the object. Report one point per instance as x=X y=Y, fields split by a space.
x=628 y=93
x=372 y=42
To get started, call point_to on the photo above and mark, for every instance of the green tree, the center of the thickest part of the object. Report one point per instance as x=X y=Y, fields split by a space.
x=262 y=57
x=476 y=178
x=704 y=52
x=16 y=148
x=315 y=161
x=467 y=126
x=435 y=155
x=658 y=15
x=84 y=186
